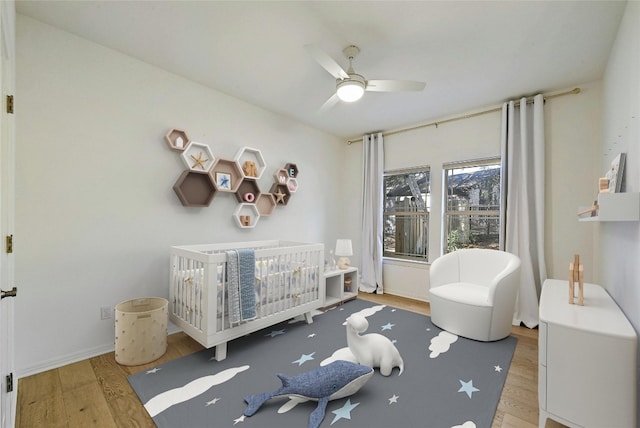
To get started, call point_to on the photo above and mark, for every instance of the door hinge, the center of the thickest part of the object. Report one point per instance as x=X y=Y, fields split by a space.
x=9 y=244
x=10 y=382
x=10 y=104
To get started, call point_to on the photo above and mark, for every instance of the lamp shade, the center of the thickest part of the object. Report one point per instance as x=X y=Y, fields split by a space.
x=343 y=248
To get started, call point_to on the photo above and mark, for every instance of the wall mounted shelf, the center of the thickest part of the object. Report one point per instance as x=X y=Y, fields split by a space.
x=266 y=204
x=292 y=170
x=612 y=207
x=247 y=186
x=195 y=189
x=177 y=139
x=246 y=215
x=281 y=193
x=292 y=185
x=232 y=169
x=252 y=155
x=198 y=157
x=281 y=176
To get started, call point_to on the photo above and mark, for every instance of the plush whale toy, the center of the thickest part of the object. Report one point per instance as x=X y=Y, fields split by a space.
x=336 y=380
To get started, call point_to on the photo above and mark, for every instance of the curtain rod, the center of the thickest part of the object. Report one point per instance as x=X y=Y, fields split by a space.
x=466 y=116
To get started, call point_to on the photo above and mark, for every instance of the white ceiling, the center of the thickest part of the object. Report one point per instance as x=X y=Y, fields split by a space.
x=471 y=54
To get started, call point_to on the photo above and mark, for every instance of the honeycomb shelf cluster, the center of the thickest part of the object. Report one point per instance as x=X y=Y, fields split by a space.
x=207 y=175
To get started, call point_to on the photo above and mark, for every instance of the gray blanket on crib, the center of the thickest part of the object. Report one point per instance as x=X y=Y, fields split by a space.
x=241 y=285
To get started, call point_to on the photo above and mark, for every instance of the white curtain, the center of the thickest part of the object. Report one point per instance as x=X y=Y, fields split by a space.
x=523 y=200
x=372 y=208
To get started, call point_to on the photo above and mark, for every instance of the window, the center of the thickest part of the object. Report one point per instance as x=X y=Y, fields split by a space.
x=472 y=212
x=407 y=202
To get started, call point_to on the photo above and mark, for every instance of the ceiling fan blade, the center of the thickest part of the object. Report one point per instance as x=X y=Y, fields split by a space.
x=332 y=101
x=394 y=85
x=326 y=62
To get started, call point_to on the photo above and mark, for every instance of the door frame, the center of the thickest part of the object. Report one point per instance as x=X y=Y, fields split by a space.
x=8 y=383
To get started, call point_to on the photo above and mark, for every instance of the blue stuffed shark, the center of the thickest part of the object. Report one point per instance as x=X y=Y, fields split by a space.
x=336 y=380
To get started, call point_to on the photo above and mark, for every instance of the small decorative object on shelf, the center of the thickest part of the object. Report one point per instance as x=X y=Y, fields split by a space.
x=249 y=168
x=576 y=274
x=249 y=197
x=603 y=185
x=245 y=220
x=292 y=169
x=223 y=181
x=177 y=139
x=347 y=285
x=198 y=157
x=616 y=173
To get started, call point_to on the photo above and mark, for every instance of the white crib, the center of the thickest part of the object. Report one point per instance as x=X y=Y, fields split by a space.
x=289 y=283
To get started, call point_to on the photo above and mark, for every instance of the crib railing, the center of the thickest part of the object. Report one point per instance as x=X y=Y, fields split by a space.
x=289 y=282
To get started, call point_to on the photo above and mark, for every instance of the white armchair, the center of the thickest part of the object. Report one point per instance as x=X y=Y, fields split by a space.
x=473 y=293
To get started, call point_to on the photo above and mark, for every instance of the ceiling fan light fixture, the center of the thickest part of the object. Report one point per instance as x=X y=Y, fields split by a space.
x=350 y=90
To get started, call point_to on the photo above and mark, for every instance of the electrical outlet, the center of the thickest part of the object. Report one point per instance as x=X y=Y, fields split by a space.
x=105 y=312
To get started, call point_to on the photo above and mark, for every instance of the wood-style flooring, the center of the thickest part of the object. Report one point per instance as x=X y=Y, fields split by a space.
x=96 y=393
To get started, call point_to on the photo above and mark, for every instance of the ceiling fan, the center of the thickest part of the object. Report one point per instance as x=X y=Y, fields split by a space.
x=350 y=86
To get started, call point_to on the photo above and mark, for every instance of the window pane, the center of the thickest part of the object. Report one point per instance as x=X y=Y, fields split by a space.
x=406 y=214
x=406 y=236
x=472 y=217
x=473 y=231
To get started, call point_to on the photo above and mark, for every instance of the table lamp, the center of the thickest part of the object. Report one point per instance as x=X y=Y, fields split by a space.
x=343 y=250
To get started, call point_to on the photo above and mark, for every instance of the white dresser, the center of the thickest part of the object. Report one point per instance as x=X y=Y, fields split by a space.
x=587 y=359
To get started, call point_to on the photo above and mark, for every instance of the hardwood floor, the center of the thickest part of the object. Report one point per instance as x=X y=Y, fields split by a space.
x=95 y=392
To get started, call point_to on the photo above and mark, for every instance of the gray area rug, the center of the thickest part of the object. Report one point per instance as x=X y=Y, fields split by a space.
x=448 y=381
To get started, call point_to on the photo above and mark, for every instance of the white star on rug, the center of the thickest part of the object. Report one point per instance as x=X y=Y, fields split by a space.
x=312 y=335
x=393 y=310
x=344 y=412
x=303 y=359
x=275 y=333
x=214 y=401
x=393 y=399
x=387 y=326
x=153 y=370
x=240 y=419
x=468 y=387
x=497 y=368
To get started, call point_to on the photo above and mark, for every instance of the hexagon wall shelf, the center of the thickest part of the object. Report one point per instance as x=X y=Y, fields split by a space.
x=195 y=189
x=226 y=175
x=281 y=176
x=281 y=193
x=292 y=185
x=292 y=170
x=247 y=154
x=198 y=157
x=246 y=215
x=177 y=139
x=266 y=204
x=248 y=186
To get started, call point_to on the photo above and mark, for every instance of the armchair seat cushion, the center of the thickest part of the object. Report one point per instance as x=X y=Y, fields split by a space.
x=463 y=292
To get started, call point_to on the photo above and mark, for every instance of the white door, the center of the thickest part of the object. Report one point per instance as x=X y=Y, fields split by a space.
x=8 y=384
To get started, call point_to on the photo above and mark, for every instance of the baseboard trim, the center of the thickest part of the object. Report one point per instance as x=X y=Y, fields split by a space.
x=75 y=357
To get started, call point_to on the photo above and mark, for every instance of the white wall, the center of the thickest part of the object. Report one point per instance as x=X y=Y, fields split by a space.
x=572 y=129
x=95 y=208
x=620 y=248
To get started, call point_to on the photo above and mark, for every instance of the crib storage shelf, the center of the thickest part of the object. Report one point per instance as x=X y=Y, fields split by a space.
x=335 y=287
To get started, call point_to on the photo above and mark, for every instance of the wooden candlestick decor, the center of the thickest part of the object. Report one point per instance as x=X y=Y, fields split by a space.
x=576 y=274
